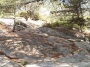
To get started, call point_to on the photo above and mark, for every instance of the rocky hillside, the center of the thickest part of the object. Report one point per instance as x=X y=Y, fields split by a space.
x=35 y=44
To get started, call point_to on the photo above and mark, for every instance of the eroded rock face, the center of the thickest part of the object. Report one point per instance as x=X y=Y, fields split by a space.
x=5 y=62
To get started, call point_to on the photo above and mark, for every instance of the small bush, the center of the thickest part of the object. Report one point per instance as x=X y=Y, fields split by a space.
x=80 y=21
x=24 y=62
x=51 y=24
x=23 y=14
x=54 y=24
x=35 y=16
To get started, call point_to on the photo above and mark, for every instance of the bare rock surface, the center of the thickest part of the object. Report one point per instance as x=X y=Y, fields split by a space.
x=5 y=62
x=42 y=47
x=53 y=64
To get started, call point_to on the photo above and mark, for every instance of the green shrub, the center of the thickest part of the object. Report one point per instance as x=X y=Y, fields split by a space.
x=32 y=14
x=23 y=14
x=35 y=16
x=24 y=62
x=55 y=24
x=79 y=21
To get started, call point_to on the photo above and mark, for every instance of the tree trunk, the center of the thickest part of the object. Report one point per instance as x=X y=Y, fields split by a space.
x=13 y=30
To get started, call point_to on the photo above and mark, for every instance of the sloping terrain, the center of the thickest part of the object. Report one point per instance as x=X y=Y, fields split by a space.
x=41 y=45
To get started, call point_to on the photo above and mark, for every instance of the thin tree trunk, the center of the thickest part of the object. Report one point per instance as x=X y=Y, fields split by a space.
x=13 y=30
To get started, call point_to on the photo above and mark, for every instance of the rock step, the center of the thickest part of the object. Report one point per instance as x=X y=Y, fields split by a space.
x=52 y=64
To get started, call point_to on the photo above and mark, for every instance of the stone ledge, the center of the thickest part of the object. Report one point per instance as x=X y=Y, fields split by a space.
x=52 y=64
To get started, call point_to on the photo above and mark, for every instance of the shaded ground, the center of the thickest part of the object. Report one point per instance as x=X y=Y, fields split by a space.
x=41 y=45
